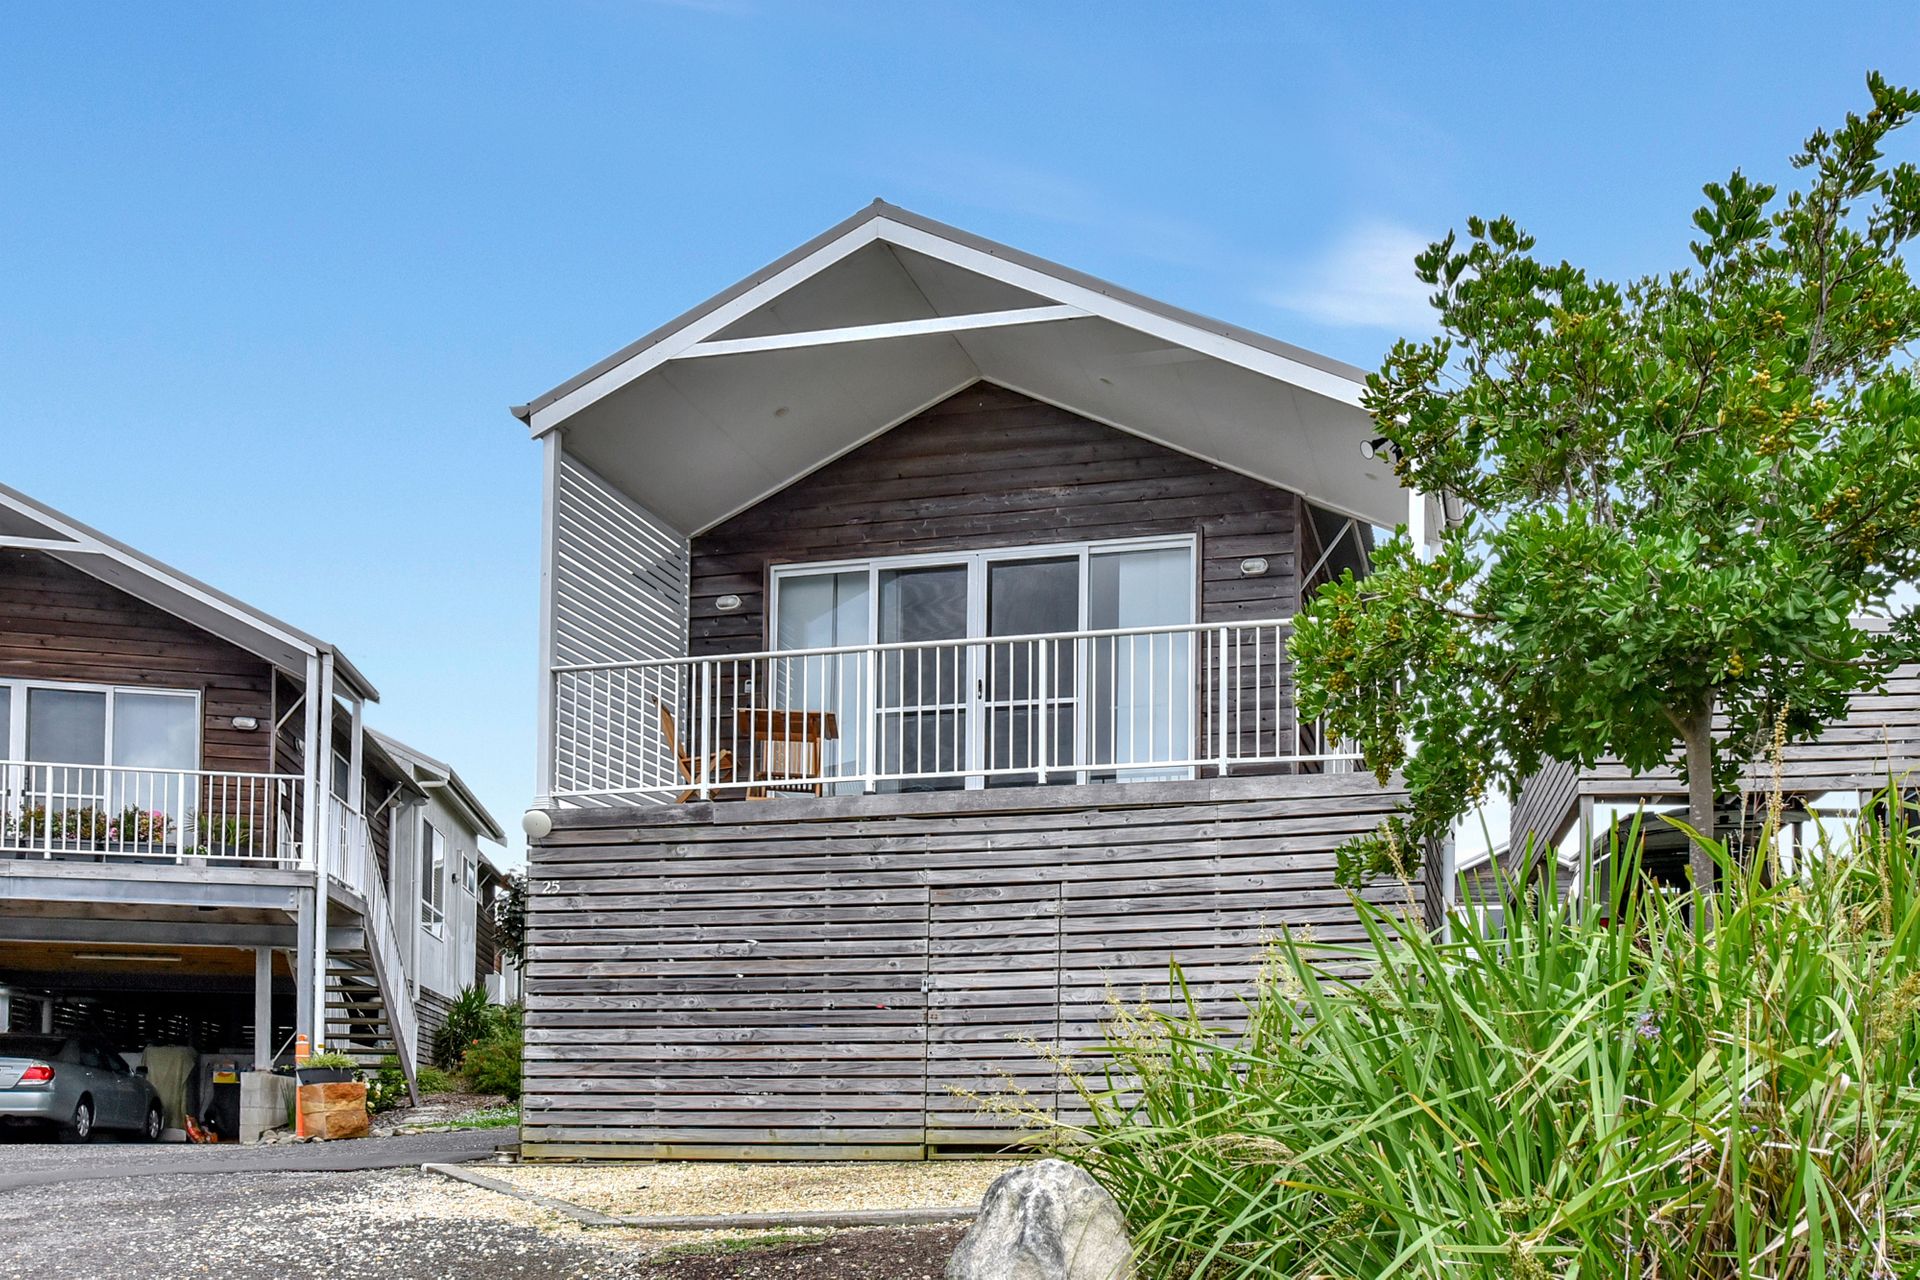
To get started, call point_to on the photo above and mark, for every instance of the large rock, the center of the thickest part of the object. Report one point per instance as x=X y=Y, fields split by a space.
x=1047 y=1221
x=334 y=1111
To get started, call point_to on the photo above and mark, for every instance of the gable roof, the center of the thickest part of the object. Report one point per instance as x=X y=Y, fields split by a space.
x=29 y=524
x=889 y=312
x=431 y=774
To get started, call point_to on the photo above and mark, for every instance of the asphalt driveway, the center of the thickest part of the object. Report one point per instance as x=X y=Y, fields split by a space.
x=43 y=1164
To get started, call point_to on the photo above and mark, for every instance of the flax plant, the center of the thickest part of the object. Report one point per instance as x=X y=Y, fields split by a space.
x=1600 y=1092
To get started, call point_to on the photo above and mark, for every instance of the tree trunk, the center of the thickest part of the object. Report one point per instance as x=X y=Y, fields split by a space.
x=1696 y=735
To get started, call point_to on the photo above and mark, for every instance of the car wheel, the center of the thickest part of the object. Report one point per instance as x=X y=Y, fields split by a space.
x=151 y=1129
x=80 y=1128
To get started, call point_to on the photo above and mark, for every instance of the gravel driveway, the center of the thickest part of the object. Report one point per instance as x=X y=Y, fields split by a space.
x=392 y=1225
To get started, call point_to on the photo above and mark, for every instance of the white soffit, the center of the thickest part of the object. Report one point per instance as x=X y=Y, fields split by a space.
x=696 y=435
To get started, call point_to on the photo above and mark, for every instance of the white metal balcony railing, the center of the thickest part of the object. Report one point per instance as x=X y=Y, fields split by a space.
x=1064 y=707
x=113 y=811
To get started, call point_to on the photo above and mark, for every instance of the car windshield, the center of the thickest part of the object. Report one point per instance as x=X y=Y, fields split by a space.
x=30 y=1046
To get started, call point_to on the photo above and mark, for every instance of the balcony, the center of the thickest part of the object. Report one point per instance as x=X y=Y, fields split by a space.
x=116 y=813
x=1059 y=708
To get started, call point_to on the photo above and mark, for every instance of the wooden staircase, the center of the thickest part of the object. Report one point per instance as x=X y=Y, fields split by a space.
x=359 y=1019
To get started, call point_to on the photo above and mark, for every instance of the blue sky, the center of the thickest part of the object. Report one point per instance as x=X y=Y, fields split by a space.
x=271 y=274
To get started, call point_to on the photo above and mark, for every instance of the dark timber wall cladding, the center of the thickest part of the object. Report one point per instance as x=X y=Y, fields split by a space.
x=57 y=623
x=988 y=468
x=817 y=977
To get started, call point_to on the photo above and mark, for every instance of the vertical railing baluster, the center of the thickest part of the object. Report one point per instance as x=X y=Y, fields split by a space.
x=1220 y=680
x=870 y=762
x=703 y=742
x=1044 y=733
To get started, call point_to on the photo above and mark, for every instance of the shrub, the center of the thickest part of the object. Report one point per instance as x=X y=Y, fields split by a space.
x=493 y=1065
x=388 y=1087
x=434 y=1080
x=1598 y=1093
x=468 y=1021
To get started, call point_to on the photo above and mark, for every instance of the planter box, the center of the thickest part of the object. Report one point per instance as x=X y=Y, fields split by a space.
x=334 y=1110
x=326 y=1075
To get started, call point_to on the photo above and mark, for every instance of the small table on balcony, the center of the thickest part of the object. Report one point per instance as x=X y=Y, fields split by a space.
x=788 y=755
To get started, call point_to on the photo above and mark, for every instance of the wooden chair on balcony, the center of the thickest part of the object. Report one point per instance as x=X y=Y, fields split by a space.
x=719 y=765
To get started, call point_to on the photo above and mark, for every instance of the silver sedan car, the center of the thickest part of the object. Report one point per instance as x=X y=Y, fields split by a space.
x=75 y=1084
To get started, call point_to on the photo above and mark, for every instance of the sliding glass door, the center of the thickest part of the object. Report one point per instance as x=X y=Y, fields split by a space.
x=1031 y=597
x=1142 y=684
x=924 y=717
x=822 y=611
x=995 y=684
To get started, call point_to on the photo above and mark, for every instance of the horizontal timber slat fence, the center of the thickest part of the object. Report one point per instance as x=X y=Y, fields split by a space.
x=829 y=978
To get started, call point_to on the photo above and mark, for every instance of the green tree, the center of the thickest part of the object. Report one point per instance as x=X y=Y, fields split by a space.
x=1679 y=496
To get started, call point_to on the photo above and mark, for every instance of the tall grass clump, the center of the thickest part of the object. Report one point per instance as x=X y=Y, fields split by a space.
x=1599 y=1093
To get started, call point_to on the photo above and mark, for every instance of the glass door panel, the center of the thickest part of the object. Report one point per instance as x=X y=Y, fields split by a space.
x=151 y=811
x=921 y=720
x=66 y=803
x=818 y=611
x=1141 y=702
x=1030 y=597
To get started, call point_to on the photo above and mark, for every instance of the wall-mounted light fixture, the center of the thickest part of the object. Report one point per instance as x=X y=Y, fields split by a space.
x=727 y=604
x=1253 y=566
x=1372 y=448
x=245 y=724
x=537 y=823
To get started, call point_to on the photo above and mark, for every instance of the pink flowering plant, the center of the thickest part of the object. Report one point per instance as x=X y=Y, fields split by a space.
x=140 y=826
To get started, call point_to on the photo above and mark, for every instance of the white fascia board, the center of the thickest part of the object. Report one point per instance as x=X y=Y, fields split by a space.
x=879 y=332
x=1092 y=301
x=82 y=543
x=16 y=542
x=548 y=417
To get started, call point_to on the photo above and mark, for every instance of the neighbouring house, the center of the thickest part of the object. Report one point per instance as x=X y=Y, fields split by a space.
x=913 y=633
x=201 y=843
x=1829 y=779
x=439 y=847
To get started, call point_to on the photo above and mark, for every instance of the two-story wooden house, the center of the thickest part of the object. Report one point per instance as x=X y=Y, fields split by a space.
x=913 y=669
x=200 y=841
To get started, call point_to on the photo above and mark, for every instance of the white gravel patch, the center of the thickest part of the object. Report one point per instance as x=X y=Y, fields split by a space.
x=412 y=1198
x=698 y=1188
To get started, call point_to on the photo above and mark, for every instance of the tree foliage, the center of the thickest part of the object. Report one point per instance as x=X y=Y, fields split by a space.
x=1680 y=496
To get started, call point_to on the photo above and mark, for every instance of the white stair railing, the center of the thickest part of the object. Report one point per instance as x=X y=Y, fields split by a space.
x=362 y=875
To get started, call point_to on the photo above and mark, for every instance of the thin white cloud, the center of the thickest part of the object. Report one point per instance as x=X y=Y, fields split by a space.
x=1364 y=279
x=987 y=182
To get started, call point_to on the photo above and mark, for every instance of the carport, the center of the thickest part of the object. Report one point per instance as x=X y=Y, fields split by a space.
x=191 y=958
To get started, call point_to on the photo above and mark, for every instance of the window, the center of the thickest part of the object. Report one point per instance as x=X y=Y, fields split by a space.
x=66 y=726
x=469 y=875
x=960 y=714
x=342 y=777
x=433 y=878
x=155 y=730
x=99 y=724
x=94 y=752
